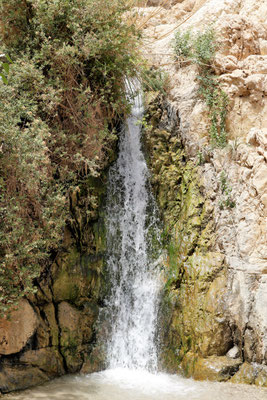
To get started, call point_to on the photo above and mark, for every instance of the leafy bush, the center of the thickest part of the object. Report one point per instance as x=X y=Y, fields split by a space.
x=183 y=44
x=205 y=47
x=200 y=49
x=57 y=114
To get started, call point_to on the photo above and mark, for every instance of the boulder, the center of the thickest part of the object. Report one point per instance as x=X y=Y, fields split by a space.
x=216 y=368
x=48 y=360
x=20 y=378
x=76 y=327
x=17 y=331
x=246 y=374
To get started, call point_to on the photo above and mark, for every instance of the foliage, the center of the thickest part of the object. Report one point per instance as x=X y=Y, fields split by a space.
x=57 y=118
x=227 y=200
x=200 y=49
x=182 y=44
x=4 y=68
x=154 y=80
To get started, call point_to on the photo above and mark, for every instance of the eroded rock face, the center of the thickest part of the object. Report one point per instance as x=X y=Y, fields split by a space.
x=54 y=332
x=239 y=233
x=18 y=330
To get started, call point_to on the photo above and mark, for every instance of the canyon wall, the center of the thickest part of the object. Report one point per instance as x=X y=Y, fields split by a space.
x=53 y=331
x=217 y=241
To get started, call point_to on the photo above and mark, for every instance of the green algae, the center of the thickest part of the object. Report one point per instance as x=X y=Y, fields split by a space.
x=191 y=323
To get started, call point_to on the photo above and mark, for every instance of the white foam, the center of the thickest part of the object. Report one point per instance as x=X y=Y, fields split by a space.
x=145 y=382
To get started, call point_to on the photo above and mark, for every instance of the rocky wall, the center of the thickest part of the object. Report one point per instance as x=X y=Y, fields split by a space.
x=234 y=296
x=53 y=332
x=200 y=336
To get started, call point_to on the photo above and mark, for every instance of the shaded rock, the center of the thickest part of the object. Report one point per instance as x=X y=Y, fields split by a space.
x=16 y=332
x=250 y=339
x=50 y=315
x=94 y=362
x=76 y=277
x=76 y=327
x=48 y=360
x=19 y=378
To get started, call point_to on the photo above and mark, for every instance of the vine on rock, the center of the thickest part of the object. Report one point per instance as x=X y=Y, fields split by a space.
x=200 y=49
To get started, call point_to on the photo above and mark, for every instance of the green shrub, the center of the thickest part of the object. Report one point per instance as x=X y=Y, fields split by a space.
x=65 y=93
x=5 y=62
x=205 y=47
x=183 y=44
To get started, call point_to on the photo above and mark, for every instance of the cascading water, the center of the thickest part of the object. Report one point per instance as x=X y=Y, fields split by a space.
x=131 y=227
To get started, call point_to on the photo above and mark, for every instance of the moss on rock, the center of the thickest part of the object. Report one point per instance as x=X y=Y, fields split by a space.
x=193 y=319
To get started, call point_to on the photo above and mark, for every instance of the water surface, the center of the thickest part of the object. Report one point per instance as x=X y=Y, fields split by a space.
x=125 y=384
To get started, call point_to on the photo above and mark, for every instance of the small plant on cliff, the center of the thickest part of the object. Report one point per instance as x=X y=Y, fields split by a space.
x=226 y=190
x=200 y=49
x=183 y=44
x=154 y=79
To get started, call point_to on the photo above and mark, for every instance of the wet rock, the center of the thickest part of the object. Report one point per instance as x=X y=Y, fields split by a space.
x=240 y=232
x=216 y=368
x=48 y=360
x=76 y=330
x=20 y=378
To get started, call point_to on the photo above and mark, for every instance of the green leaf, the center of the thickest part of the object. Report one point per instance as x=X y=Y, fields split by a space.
x=8 y=59
x=4 y=78
x=6 y=67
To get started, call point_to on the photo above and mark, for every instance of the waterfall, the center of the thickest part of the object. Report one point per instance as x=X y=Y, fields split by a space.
x=132 y=261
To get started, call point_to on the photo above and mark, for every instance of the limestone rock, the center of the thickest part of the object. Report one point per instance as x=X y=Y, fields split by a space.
x=16 y=332
x=234 y=352
x=261 y=379
x=260 y=180
x=246 y=374
x=75 y=325
x=241 y=231
x=216 y=368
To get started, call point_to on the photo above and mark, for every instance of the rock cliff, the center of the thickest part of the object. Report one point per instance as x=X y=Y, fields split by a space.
x=219 y=297
x=53 y=332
